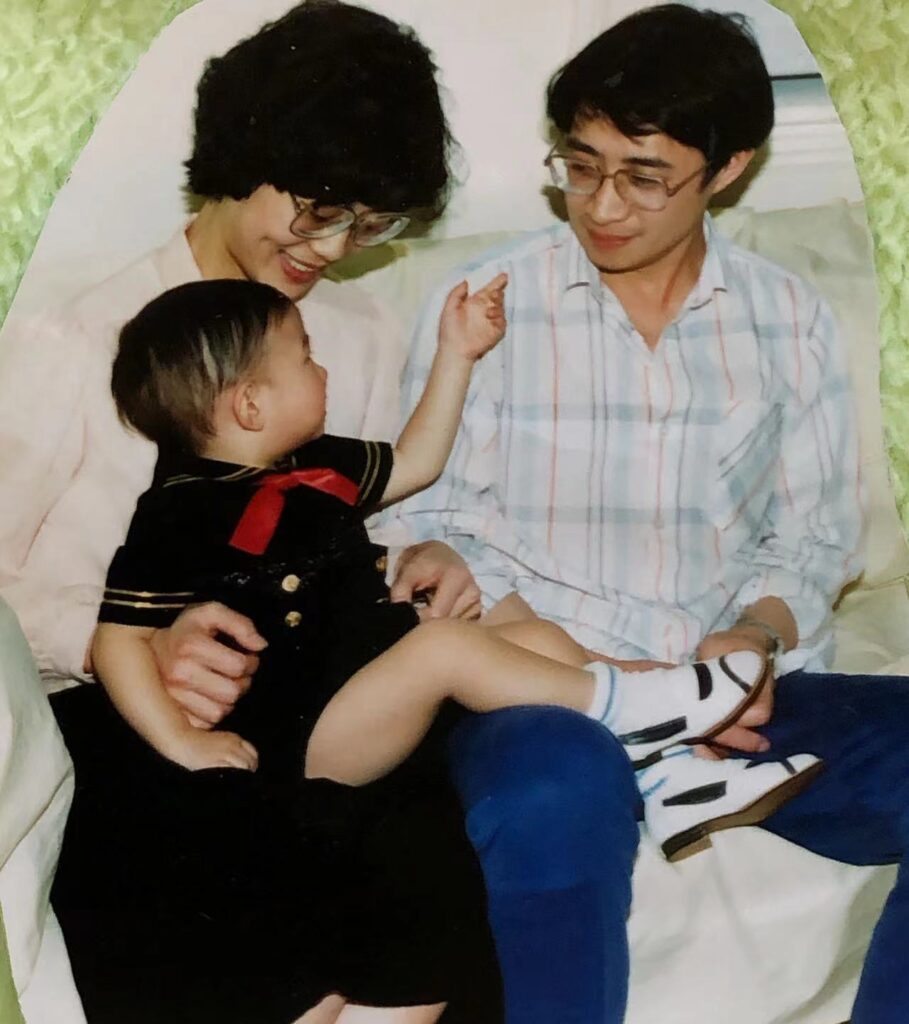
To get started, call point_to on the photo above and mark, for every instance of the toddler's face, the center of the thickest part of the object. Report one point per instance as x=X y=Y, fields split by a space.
x=295 y=387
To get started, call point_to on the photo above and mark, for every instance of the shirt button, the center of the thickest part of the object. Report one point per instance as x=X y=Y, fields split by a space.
x=290 y=583
x=293 y=619
x=382 y=563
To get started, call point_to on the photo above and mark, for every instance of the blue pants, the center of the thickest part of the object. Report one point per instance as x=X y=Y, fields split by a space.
x=550 y=802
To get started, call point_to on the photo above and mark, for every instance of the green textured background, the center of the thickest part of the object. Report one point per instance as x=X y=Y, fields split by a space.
x=62 y=61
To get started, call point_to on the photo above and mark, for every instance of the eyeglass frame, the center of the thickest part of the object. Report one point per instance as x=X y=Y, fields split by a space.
x=349 y=221
x=670 y=192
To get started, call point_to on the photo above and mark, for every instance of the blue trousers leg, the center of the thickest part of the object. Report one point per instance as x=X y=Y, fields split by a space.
x=550 y=802
x=858 y=809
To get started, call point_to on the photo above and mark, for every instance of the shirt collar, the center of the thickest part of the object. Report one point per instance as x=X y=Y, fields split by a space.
x=579 y=272
x=184 y=467
x=175 y=261
x=712 y=278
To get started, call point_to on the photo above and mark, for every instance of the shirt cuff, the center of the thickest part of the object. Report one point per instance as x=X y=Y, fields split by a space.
x=60 y=637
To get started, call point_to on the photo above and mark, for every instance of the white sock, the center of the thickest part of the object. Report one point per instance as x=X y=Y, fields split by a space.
x=603 y=690
x=628 y=701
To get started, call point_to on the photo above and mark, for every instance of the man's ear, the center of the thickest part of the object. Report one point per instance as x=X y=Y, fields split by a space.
x=735 y=167
x=246 y=405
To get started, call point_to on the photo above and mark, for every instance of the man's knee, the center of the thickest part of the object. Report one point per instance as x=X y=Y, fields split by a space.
x=549 y=796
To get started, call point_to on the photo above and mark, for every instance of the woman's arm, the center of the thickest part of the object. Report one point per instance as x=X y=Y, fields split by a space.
x=44 y=365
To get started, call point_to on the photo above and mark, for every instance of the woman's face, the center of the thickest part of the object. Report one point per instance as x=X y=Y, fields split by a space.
x=255 y=234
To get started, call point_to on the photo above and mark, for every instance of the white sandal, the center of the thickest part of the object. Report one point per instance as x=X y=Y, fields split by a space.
x=648 y=712
x=687 y=798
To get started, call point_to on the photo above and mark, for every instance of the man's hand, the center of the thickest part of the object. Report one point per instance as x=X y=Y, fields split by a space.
x=636 y=665
x=436 y=567
x=202 y=674
x=741 y=736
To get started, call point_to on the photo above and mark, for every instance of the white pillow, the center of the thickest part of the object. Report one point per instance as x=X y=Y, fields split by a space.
x=36 y=786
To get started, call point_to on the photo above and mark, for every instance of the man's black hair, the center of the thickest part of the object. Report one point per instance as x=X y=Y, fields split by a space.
x=331 y=102
x=183 y=349
x=697 y=76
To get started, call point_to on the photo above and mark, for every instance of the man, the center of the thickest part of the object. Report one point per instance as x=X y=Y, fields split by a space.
x=661 y=456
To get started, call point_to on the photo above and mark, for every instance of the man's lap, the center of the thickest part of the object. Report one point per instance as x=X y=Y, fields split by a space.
x=558 y=783
x=858 y=809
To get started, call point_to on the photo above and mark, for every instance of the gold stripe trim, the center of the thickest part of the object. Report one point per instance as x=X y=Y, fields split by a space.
x=143 y=604
x=372 y=470
x=149 y=593
x=237 y=474
x=365 y=472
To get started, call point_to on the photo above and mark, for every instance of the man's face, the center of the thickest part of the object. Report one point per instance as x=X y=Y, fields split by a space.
x=617 y=236
x=258 y=240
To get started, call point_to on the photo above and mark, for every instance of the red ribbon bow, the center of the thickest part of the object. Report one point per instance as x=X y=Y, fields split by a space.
x=260 y=519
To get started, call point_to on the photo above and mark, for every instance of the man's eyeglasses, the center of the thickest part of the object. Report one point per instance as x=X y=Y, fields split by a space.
x=582 y=178
x=314 y=220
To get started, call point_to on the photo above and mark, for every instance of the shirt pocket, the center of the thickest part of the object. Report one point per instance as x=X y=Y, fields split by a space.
x=746 y=457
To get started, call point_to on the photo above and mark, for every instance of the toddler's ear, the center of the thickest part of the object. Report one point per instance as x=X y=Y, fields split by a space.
x=246 y=405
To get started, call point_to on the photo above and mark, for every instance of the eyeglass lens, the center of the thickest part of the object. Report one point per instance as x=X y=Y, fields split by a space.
x=370 y=229
x=582 y=178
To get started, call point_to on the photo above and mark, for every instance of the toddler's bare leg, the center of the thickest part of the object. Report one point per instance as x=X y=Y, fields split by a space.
x=512 y=608
x=336 y=1010
x=326 y=1012
x=391 y=1015
x=545 y=638
x=380 y=715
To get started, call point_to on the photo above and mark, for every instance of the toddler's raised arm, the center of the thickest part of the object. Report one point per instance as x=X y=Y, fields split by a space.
x=470 y=326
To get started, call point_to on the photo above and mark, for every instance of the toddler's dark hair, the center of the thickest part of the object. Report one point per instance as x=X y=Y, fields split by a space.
x=180 y=352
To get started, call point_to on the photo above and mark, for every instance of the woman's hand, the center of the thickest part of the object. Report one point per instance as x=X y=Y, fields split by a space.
x=205 y=675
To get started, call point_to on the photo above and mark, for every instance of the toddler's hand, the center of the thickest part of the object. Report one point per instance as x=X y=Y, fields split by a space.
x=473 y=324
x=201 y=749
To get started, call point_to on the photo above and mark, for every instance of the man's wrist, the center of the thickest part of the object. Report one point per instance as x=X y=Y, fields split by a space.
x=774 y=642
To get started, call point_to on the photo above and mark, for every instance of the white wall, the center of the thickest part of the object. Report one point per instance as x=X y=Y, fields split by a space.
x=124 y=195
x=785 y=52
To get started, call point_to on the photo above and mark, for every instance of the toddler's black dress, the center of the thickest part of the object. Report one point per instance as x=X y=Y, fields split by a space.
x=259 y=893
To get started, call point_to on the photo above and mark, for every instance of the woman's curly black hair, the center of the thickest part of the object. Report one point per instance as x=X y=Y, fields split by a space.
x=696 y=75
x=330 y=102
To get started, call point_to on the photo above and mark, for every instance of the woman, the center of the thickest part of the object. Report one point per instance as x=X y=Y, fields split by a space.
x=321 y=133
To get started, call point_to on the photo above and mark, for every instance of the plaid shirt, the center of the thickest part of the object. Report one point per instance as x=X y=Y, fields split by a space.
x=643 y=498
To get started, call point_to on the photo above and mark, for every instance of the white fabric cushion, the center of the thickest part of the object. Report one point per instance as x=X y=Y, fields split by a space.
x=36 y=785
